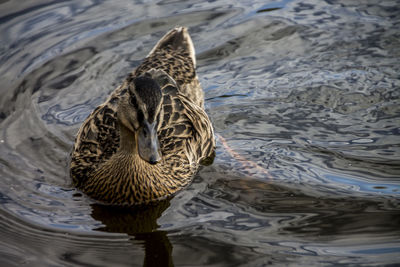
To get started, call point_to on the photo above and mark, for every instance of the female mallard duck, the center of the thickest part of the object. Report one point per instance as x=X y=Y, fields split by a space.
x=146 y=141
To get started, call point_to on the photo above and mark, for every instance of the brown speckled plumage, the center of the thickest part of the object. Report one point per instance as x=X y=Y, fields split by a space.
x=104 y=161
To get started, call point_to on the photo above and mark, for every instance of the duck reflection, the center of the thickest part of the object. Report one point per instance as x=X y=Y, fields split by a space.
x=141 y=223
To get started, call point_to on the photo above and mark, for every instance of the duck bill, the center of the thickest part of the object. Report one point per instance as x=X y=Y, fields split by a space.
x=148 y=145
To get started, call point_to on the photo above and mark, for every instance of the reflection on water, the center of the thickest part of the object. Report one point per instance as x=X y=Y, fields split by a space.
x=304 y=97
x=141 y=223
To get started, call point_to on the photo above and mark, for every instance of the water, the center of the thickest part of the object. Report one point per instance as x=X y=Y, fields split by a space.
x=304 y=97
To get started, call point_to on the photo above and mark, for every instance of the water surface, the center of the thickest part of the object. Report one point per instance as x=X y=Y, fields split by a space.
x=304 y=98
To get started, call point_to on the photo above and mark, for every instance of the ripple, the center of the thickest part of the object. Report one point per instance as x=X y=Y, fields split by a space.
x=304 y=100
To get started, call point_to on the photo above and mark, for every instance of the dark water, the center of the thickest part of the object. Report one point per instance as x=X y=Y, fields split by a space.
x=304 y=97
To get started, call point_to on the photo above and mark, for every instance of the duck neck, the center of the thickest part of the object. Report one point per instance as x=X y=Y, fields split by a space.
x=127 y=179
x=128 y=144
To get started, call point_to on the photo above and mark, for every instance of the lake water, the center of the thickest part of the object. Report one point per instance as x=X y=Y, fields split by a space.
x=304 y=97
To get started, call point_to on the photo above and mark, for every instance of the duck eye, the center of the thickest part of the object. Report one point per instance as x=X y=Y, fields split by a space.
x=133 y=102
x=140 y=116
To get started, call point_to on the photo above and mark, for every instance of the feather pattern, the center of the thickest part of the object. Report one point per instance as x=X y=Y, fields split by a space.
x=105 y=163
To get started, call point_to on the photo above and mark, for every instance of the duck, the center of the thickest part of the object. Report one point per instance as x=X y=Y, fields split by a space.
x=149 y=138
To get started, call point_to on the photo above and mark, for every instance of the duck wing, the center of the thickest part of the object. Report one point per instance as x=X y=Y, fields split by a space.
x=97 y=140
x=184 y=126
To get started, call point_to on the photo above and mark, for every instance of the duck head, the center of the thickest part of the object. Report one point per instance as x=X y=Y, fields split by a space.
x=138 y=112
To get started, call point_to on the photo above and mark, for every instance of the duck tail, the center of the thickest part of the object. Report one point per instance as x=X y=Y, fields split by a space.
x=177 y=38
